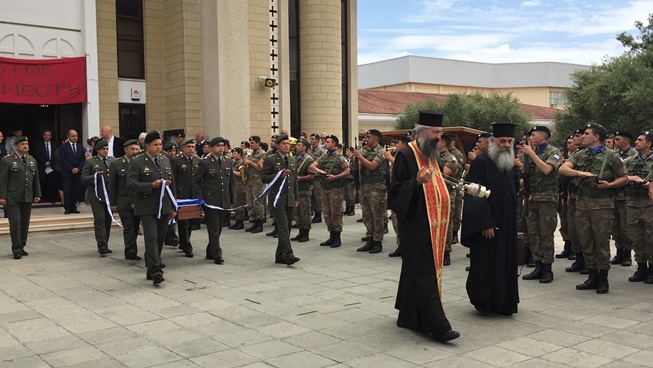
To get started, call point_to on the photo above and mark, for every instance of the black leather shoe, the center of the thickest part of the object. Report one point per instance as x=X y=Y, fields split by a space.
x=292 y=260
x=17 y=256
x=273 y=232
x=104 y=251
x=366 y=238
x=396 y=253
x=447 y=336
x=279 y=261
x=109 y=250
x=66 y=212
x=359 y=220
x=189 y=254
x=158 y=280
x=75 y=211
x=219 y=260
x=23 y=253
x=482 y=310
x=162 y=265
x=133 y=258
x=377 y=247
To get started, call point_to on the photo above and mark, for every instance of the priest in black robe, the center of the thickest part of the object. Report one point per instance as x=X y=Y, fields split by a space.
x=489 y=227
x=419 y=197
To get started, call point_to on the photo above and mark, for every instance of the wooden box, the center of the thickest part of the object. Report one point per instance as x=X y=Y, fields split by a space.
x=189 y=212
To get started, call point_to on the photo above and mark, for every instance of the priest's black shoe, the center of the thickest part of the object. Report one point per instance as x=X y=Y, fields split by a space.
x=640 y=274
x=219 y=260
x=292 y=260
x=158 y=280
x=162 y=265
x=366 y=247
x=536 y=274
x=23 y=253
x=75 y=211
x=377 y=247
x=18 y=256
x=189 y=253
x=447 y=336
x=547 y=274
x=329 y=241
x=279 y=261
x=396 y=253
x=447 y=259
x=482 y=311
x=104 y=250
x=590 y=283
x=66 y=212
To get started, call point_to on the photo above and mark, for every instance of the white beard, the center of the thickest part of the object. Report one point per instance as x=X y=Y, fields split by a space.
x=502 y=157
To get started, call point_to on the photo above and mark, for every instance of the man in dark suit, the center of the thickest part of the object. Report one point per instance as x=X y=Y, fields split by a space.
x=184 y=166
x=3 y=149
x=72 y=157
x=116 y=148
x=44 y=155
x=288 y=199
x=147 y=175
x=121 y=200
x=212 y=184
x=20 y=187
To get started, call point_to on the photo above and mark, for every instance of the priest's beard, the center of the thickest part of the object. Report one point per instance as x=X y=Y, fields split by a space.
x=503 y=157
x=428 y=148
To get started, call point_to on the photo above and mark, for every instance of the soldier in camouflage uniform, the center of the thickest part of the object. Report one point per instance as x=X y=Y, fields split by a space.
x=601 y=171
x=255 y=186
x=640 y=207
x=449 y=166
x=457 y=213
x=542 y=165
x=333 y=168
x=304 y=190
x=373 y=192
x=563 y=195
x=623 y=243
x=315 y=151
x=572 y=229
x=240 y=189
x=350 y=185
x=522 y=200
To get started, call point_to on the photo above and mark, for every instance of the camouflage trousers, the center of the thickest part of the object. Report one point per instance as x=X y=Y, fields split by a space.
x=395 y=225
x=350 y=193
x=254 y=188
x=521 y=220
x=331 y=208
x=316 y=196
x=457 y=210
x=447 y=244
x=620 y=231
x=373 y=204
x=572 y=229
x=303 y=212
x=240 y=198
x=564 y=224
x=640 y=227
x=594 y=231
x=541 y=222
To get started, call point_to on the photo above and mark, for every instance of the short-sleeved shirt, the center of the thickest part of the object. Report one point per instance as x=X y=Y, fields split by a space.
x=544 y=187
x=253 y=174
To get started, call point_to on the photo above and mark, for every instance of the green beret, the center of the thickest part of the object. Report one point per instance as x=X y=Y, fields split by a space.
x=130 y=142
x=188 y=141
x=22 y=138
x=168 y=146
x=101 y=143
x=281 y=138
x=151 y=136
x=215 y=141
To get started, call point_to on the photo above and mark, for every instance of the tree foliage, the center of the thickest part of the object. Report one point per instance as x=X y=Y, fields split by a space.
x=618 y=93
x=474 y=110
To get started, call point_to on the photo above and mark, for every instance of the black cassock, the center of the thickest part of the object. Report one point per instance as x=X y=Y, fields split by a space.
x=492 y=279
x=418 y=299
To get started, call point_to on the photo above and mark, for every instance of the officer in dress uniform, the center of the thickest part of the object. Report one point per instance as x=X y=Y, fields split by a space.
x=20 y=188
x=121 y=200
x=212 y=183
x=282 y=209
x=601 y=171
x=622 y=143
x=170 y=150
x=97 y=169
x=148 y=174
x=183 y=166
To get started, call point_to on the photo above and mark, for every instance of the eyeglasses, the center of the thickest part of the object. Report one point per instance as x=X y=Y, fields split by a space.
x=322 y=137
x=439 y=132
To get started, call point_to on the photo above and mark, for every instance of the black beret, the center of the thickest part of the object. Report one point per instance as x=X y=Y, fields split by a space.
x=168 y=146
x=446 y=138
x=22 y=138
x=484 y=135
x=648 y=134
x=215 y=141
x=130 y=142
x=152 y=135
x=245 y=143
x=101 y=143
x=541 y=128
x=304 y=142
x=255 y=138
x=430 y=118
x=333 y=137
x=181 y=135
x=624 y=133
x=406 y=139
x=598 y=129
x=188 y=141
x=281 y=138
x=375 y=132
x=579 y=131
x=571 y=137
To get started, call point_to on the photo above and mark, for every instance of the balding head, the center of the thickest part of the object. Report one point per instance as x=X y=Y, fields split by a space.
x=106 y=132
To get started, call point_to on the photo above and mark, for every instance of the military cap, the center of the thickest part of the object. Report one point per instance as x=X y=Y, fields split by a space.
x=151 y=136
x=274 y=136
x=624 y=133
x=246 y=143
x=333 y=137
x=130 y=142
x=188 y=141
x=281 y=138
x=215 y=141
x=598 y=129
x=101 y=143
x=486 y=135
x=430 y=118
x=22 y=138
x=541 y=128
x=375 y=132
x=446 y=138
x=571 y=137
x=579 y=131
x=181 y=135
x=648 y=134
x=255 y=138
x=304 y=142
x=405 y=138
x=168 y=146
x=501 y=130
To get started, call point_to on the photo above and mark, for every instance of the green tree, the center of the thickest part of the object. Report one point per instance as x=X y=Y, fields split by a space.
x=473 y=110
x=639 y=42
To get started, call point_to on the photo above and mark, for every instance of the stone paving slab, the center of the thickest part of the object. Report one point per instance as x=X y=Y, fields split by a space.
x=64 y=306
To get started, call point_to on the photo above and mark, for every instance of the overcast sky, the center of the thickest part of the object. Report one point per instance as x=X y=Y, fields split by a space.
x=574 y=31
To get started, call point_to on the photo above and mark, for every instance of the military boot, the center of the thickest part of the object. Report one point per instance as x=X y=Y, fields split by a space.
x=336 y=240
x=627 y=260
x=618 y=257
x=566 y=251
x=455 y=238
x=299 y=235
x=640 y=274
x=377 y=247
x=258 y=227
x=317 y=218
x=385 y=228
x=603 y=286
x=530 y=262
x=591 y=282
x=249 y=229
x=447 y=259
x=649 y=274
x=366 y=247
x=578 y=264
x=273 y=232
x=547 y=274
x=536 y=274
x=303 y=235
x=351 y=211
x=329 y=241
x=238 y=225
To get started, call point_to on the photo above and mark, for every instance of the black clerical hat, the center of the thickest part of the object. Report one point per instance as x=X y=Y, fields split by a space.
x=404 y=138
x=430 y=118
x=503 y=129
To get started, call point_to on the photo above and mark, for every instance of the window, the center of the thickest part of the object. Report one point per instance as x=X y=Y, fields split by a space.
x=129 y=29
x=557 y=99
x=132 y=120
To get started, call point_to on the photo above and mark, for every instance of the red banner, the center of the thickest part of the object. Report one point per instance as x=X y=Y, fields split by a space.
x=40 y=82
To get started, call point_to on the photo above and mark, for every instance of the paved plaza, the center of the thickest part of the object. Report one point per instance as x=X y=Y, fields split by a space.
x=64 y=306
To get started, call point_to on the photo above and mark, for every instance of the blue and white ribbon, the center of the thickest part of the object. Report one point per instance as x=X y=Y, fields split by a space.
x=265 y=191
x=106 y=196
x=166 y=189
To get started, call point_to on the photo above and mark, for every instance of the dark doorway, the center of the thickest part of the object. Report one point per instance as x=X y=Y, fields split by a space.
x=34 y=119
x=132 y=120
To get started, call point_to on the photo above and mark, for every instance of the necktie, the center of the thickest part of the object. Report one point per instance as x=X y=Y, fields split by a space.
x=24 y=161
x=105 y=162
x=156 y=161
x=285 y=158
x=74 y=149
x=47 y=148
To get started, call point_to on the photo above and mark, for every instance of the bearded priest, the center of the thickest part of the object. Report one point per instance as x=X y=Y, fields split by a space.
x=489 y=227
x=418 y=195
